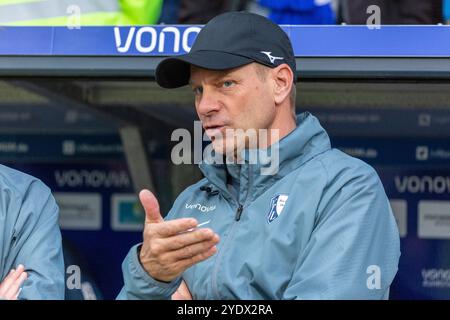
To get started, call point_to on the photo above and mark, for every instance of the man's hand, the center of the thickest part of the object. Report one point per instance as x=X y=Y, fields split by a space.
x=10 y=286
x=182 y=292
x=170 y=247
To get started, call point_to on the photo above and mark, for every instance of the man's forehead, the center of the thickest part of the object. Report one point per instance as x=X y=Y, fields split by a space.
x=199 y=74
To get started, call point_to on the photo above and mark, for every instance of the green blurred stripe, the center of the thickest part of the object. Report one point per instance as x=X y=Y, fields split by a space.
x=11 y=14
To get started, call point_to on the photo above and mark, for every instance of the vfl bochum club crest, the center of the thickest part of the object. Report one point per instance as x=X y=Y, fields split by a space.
x=277 y=204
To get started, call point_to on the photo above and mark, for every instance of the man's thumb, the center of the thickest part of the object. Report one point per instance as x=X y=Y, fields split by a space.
x=151 y=207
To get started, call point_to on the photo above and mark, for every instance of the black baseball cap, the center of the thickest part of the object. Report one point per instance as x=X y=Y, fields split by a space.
x=229 y=40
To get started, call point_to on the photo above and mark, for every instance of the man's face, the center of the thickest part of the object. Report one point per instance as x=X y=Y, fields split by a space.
x=233 y=99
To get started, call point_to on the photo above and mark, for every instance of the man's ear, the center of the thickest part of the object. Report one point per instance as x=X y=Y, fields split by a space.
x=283 y=78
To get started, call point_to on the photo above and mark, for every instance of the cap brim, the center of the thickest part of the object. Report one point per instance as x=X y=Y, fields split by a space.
x=175 y=72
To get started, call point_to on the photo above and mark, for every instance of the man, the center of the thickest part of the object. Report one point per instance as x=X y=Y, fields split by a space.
x=318 y=227
x=300 y=11
x=393 y=11
x=31 y=260
x=201 y=11
x=446 y=9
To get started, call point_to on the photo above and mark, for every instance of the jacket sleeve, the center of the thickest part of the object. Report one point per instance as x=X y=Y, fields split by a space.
x=38 y=244
x=353 y=251
x=139 y=285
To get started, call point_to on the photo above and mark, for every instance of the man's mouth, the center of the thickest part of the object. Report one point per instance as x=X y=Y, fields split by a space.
x=215 y=130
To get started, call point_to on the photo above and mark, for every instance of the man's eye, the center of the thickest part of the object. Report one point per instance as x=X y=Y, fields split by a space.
x=197 y=90
x=228 y=84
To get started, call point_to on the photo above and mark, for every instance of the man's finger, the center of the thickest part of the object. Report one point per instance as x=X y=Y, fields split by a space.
x=14 y=289
x=187 y=263
x=151 y=207
x=182 y=292
x=183 y=240
x=18 y=294
x=173 y=227
x=190 y=251
x=12 y=277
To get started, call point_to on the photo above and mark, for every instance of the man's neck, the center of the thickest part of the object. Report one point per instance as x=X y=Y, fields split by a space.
x=277 y=131
x=280 y=128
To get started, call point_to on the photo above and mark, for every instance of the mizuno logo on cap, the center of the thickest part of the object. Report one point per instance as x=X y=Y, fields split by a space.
x=271 y=58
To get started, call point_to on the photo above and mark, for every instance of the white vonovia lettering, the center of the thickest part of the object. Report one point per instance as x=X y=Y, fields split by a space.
x=92 y=178
x=147 y=39
x=436 y=278
x=200 y=207
x=423 y=184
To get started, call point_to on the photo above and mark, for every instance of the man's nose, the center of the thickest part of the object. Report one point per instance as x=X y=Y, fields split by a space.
x=208 y=103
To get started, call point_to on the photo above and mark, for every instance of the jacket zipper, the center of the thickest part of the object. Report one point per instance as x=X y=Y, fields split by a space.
x=239 y=212
x=230 y=235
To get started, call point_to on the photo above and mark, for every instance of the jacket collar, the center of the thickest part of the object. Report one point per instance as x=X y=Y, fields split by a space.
x=306 y=141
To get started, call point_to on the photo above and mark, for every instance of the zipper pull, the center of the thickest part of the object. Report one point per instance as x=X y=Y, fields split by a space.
x=239 y=212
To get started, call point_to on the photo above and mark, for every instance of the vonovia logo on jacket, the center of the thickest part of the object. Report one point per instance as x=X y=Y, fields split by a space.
x=200 y=207
x=277 y=204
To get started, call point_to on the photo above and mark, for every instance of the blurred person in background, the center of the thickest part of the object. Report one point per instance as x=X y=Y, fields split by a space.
x=393 y=11
x=84 y=12
x=300 y=11
x=201 y=11
x=169 y=12
x=447 y=11
x=31 y=258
